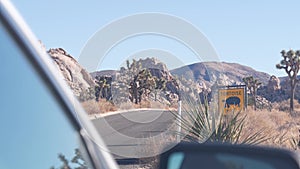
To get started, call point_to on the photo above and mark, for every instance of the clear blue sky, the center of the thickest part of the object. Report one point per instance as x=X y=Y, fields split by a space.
x=251 y=33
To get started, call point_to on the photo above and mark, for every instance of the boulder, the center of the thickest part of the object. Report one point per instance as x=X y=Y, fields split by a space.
x=76 y=76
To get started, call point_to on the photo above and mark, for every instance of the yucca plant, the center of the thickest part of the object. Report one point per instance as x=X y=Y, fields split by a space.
x=294 y=141
x=202 y=122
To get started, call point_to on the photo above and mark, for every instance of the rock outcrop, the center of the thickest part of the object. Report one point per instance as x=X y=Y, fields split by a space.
x=77 y=77
x=131 y=83
x=263 y=103
x=273 y=91
x=273 y=84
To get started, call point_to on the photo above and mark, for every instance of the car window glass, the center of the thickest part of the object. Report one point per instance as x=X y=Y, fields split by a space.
x=34 y=130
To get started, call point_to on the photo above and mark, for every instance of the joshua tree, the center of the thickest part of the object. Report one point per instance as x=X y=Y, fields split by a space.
x=77 y=162
x=102 y=89
x=252 y=85
x=291 y=64
x=143 y=83
x=160 y=84
x=133 y=68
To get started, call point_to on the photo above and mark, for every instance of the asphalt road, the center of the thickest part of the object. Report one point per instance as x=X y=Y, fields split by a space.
x=132 y=134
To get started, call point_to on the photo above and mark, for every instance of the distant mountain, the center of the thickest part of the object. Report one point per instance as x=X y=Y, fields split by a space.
x=227 y=73
x=111 y=73
x=284 y=79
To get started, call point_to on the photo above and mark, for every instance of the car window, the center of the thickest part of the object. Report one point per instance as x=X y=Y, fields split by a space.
x=34 y=130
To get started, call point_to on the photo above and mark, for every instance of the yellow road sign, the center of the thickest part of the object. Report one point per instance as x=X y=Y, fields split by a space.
x=231 y=99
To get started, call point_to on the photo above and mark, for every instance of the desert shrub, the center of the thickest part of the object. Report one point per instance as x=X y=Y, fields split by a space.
x=94 y=107
x=106 y=106
x=91 y=107
x=285 y=106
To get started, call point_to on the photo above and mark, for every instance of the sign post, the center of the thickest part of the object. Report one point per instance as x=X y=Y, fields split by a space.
x=178 y=138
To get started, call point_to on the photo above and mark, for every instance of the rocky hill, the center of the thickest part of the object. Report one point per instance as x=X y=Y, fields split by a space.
x=142 y=80
x=225 y=73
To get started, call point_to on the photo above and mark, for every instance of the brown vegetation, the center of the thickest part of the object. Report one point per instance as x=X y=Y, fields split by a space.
x=280 y=127
x=94 y=107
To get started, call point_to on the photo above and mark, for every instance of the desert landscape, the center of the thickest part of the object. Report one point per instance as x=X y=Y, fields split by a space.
x=111 y=90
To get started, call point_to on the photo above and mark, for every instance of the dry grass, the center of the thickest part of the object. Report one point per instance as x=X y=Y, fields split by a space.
x=93 y=107
x=279 y=126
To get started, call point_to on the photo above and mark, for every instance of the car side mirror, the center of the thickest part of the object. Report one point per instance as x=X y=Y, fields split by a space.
x=223 y=156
